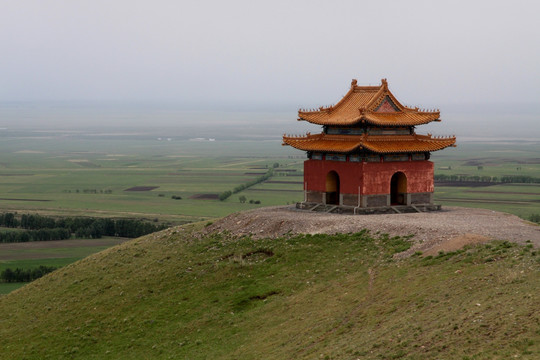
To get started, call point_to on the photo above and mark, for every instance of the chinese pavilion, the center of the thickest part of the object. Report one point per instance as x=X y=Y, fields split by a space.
x=368 y=154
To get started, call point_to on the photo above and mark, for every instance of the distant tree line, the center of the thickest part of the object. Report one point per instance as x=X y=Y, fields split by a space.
x=226 y=194
x=43 y=228
x=25 y=275
x=34 y=235
x=517 y=179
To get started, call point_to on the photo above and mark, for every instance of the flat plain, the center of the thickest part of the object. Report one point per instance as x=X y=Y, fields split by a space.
x=126 y=177
x=495 y=159
x=131 y=175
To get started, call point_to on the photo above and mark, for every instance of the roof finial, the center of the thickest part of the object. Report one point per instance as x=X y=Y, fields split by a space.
x=384 y=83
x=353 y=83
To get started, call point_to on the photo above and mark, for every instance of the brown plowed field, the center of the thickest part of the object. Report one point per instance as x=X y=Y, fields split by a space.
x=24 y=250
x=142 y=188
x=205 y=196
x=283 y=182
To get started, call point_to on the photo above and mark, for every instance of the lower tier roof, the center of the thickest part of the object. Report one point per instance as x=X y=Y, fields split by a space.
x=381 y=144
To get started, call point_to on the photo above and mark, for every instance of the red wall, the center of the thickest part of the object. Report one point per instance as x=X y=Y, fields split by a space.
x=350 y=175
x=373 y=178
x=377 y=176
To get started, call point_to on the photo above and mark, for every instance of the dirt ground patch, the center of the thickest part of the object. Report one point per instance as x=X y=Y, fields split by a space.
x=205 y=196
x=465 y=183
x=456 y=243
x=500 y=192
x=15 y=199
x=279 y=190
x=142 y=188
x=24 y=250
x=283 y=182
x=445 y=230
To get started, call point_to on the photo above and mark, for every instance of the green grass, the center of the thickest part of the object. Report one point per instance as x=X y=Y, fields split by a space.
x=177 y=294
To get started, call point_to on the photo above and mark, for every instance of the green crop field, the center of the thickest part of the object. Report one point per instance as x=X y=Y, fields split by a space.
x=491 y=159
x=130 y=176
x=138 y=178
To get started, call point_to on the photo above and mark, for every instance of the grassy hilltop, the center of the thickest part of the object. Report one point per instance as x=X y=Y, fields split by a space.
x=179 y=294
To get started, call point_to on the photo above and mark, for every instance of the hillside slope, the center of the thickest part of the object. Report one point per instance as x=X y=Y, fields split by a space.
x=190 y=293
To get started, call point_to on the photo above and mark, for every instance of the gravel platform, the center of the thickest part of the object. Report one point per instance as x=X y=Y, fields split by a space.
x=445 y=230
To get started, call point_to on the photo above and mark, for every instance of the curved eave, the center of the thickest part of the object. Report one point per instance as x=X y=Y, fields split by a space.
x=319 y=143
x=378 y=119
x=420 y=143
x=325 y=120
x=376 y=144
x=401 y=118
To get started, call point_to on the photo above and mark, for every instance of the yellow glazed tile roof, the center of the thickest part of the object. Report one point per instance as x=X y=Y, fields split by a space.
x=374 y=105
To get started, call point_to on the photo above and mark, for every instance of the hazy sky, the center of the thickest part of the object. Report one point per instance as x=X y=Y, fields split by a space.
x=301 y=53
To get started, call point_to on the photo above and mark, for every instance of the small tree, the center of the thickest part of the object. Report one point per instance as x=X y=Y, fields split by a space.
x=242 y=199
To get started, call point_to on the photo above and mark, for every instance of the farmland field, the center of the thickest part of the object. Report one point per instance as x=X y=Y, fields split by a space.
x=491 y=159
x=178 y=180
x=172 y=181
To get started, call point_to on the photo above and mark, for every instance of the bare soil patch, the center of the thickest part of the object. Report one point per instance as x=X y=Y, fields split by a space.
x=501 y=192
x=20 y=251
x=15 y=199
x=142 y=188
x=283 y=182
x=85 y=163
x=488 y=201
x=205 y=196
x=466 y=183
x=279 y=190
x=445 y=230
x=17 y=174
x=456 y=243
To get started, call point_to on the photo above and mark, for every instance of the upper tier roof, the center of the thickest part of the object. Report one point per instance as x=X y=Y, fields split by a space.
x=380 y=144
x=374 y=105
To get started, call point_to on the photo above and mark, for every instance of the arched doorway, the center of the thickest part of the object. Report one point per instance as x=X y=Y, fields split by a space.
x=332 y=188
x=398 y=189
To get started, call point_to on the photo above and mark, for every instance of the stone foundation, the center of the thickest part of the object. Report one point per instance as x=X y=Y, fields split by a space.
x=354 y=210
x=370 y=201
x=350 y=200
x=316 y=197
x=421 y=198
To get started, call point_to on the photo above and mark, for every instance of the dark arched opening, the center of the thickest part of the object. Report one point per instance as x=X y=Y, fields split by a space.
x=398 y=189
x=332 y=188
